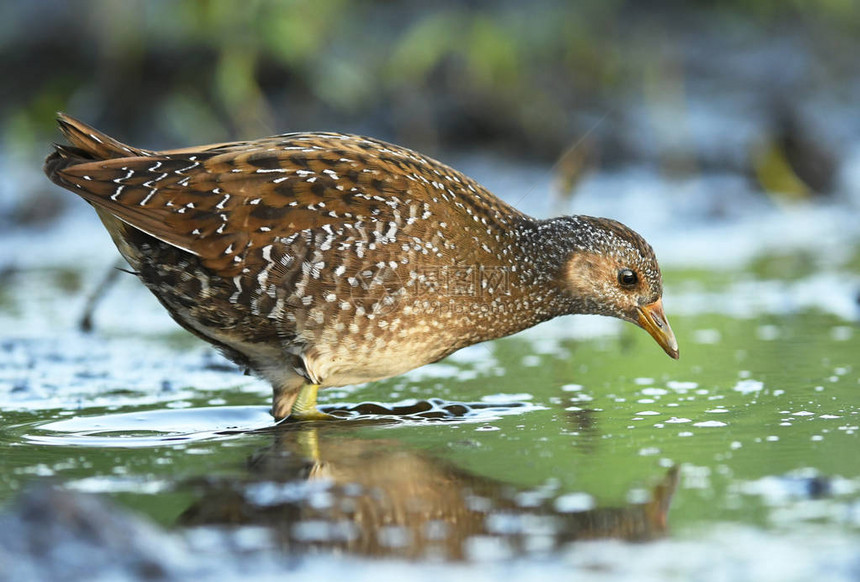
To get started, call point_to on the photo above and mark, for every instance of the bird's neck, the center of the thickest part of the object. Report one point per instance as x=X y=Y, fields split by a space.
x=535 y=292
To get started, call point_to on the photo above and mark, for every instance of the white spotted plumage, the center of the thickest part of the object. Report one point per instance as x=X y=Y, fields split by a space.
x=338 y=259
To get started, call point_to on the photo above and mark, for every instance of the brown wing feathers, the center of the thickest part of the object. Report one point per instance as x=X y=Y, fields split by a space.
x=211 y=201
x=214 y=201
x=96 y=145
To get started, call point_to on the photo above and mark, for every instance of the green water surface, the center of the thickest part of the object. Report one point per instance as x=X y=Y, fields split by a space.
x=760 y=417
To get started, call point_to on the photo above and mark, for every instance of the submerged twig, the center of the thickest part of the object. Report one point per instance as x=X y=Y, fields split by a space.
x=85 y=323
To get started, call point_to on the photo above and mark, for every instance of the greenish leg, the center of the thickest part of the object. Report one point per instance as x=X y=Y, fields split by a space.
x=309 y=447
x=305 y=406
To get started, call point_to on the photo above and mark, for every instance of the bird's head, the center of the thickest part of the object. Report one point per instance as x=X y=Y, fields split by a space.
x=611 y=270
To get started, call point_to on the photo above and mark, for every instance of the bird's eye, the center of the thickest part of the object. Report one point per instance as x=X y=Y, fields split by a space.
x=627 y=278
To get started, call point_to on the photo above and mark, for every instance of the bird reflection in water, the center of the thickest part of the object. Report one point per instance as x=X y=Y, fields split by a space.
x=326 y=490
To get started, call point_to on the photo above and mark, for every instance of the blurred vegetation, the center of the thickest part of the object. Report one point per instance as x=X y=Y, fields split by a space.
x=527 y=78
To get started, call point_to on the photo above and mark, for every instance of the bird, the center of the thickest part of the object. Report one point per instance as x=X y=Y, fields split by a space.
x=319 y=260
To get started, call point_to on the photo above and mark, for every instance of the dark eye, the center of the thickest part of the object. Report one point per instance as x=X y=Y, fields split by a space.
x=627 y=278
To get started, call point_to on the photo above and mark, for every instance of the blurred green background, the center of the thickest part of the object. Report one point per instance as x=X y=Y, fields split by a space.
x=626 y=81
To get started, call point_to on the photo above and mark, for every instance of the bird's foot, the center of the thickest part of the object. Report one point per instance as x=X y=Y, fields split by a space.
x=313 y=414
x=305 y=406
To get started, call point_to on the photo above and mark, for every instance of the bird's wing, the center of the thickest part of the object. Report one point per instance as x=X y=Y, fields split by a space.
x=219 y=202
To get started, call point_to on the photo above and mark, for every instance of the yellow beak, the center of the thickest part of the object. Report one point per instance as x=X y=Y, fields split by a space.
x=653 y=320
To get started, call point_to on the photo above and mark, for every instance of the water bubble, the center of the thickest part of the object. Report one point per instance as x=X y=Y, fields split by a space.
x=250 y=538
x=531 y=361
x=312 y=531
x=768 y=332
x=393 y=536
x=483 y=548
x=436 y=530
x=478 y=503
x=501 y=398
x=682 y=386
x=748 y=386
x=582 y=398
x=529 y=498
x=638 y=496
x=707 y=336
x=841 y=333
x=574 y=502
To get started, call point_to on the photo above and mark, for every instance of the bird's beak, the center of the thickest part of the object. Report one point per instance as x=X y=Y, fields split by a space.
x=653 y=320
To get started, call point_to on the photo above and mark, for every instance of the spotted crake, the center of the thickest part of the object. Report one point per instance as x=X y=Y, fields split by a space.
x=324 y=259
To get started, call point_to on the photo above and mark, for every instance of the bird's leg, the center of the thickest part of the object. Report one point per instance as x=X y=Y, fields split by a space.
x=305 y=405
x=309 y=447
x=282 y=403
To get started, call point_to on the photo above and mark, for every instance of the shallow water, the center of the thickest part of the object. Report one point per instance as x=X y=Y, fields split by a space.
x=550 y=451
